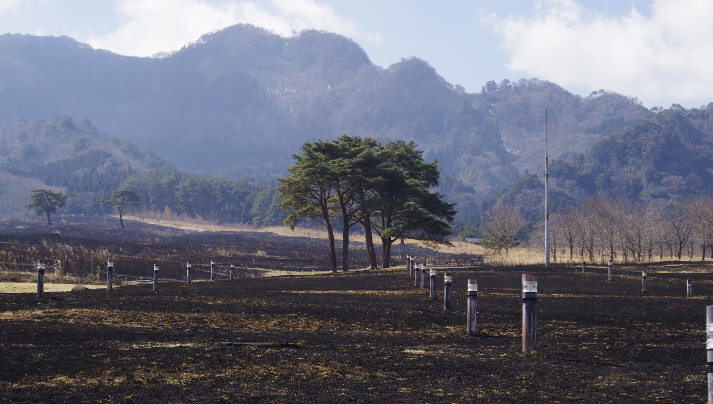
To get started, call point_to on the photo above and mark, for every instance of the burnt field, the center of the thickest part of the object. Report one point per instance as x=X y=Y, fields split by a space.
x=359 y=336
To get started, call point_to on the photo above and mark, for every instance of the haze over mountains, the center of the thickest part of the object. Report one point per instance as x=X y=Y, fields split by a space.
x=240 y=101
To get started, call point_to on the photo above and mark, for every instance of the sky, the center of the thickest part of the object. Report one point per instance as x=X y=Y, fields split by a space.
x=658 y=51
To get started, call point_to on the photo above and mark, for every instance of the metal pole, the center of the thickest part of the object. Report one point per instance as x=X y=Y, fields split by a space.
x=584 y=266
x=547 y=207
x=447 y=282
x=643 y=280
x=155 y=278
x=40 y=278
x=472 y=322
x=109 y=275
x=529 y=312
x=423 y=276
x=416 y=275
x=232 y=271
x=432 y=283
x=709 y=350
x=212 y=270
x=609 y=270
x=188 y=273
x=689 y=288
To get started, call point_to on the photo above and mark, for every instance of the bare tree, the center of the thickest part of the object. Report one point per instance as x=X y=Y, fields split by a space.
x=701 y=219
x=566 y=221
x=680 y=227
x=652 y=215
x=501 y=226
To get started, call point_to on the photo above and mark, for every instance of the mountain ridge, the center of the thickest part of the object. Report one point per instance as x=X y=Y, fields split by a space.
x=237 y=102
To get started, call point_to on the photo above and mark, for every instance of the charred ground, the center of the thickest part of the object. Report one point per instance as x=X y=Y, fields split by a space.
x=360 y=336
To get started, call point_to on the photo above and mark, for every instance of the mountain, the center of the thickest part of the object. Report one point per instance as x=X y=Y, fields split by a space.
x=668 y=156
x=63 y=154
x=238 y=102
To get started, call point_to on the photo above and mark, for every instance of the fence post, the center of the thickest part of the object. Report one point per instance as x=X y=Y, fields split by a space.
x=529 y=312
x=232 y=271
x=188 y=273
x=609 y=270
x=584 y=266
x=432 y=283
x=408 y=264
x=40 y=278
x=424 y=285
x=709 y=350
x=416 y=275
x=643 y=280
x=689 y=287
x=447 y=282
x=155 y=278
x=212 y=270
x=472 y=322
x=109 y=275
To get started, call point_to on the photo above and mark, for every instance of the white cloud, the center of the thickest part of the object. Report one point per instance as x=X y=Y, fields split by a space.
x=661 y=59
x=9 y=5
x=152 y=26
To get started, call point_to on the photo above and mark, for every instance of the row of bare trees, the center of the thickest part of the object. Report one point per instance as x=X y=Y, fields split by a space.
x=608 y=228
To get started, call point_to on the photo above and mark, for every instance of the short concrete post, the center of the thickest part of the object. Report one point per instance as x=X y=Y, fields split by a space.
x=188 y=273
x=472 y=322
x=432 y=283
x=709 y=350
x=416 y=275
x=447 y=282
x=40 y=278
x=212 y=270
x=109 y=275
x=155 y=278
x=424 y=284
x=529 y=312
x=232 y=271
x=689 y=288
x=643 y=280
x=584 y=266
x=609 y=271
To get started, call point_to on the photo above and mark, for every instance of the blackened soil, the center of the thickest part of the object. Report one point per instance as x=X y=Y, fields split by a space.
x=365 y=336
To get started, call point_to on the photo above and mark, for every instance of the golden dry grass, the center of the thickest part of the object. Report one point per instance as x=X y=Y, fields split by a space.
x=521 y=255
x=31 y=287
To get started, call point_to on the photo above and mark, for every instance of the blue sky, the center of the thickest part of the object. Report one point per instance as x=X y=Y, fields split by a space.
x=656 y=50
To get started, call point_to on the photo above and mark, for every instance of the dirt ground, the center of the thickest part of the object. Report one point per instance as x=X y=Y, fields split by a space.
x=364 y=336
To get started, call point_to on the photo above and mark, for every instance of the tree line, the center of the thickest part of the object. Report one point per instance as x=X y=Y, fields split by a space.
x=608 y=228
x=354 y=181
x=168 y=191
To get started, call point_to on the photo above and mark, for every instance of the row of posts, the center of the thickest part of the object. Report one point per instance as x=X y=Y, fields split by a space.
x=529 y=300
x=110 y=275
x=644 y=276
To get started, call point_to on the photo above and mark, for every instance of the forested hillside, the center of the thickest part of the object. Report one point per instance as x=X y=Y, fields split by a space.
x=667 y=156
x=68 y=155
x=238 y=102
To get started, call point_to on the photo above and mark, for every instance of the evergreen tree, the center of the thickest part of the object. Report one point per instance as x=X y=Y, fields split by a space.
x=45 y=201
x=122 y=200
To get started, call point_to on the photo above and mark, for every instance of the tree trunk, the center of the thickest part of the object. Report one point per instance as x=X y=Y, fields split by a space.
x=386 y=252
x=369 y=238
x=121 y=220
x=703 y=248
x=332 y=250
x=345 y=246
x=49 y=221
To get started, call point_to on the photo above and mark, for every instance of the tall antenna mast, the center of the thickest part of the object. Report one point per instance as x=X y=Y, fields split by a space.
x=547 y=208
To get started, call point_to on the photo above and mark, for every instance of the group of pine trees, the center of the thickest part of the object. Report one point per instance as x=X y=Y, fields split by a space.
x=354 y=181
